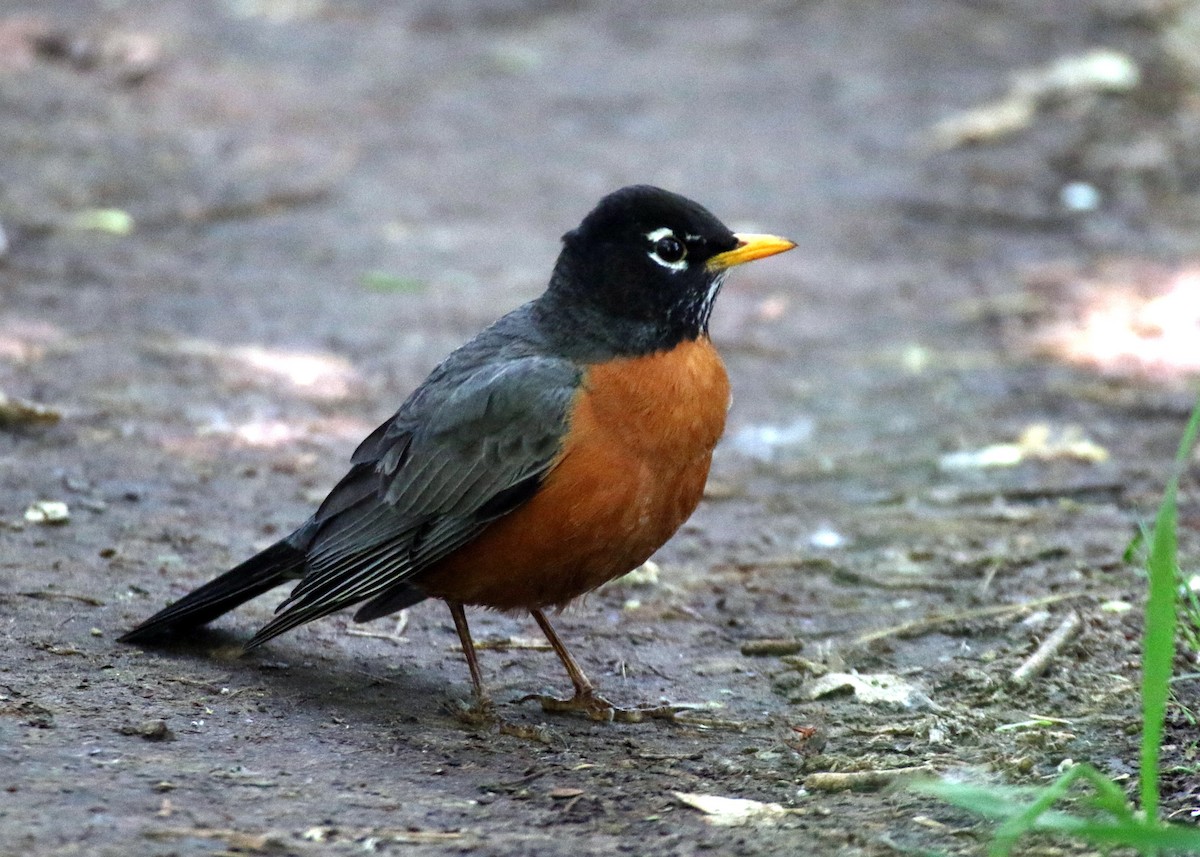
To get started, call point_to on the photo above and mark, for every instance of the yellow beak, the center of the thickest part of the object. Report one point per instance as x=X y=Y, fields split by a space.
x=749 y=248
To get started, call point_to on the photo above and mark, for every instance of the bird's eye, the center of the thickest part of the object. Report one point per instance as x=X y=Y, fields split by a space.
x=670 y=249
x=667 y=249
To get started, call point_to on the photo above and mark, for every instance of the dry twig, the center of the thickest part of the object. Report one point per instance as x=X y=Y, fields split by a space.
x=927 y=624
x=1036 y=663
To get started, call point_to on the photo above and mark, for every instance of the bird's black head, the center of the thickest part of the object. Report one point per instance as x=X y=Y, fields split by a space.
x=652 y=261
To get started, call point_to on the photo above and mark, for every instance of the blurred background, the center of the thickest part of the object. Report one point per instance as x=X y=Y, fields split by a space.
x=235 y=233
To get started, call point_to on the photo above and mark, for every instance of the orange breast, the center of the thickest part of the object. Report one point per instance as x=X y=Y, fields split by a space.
x=632 y=470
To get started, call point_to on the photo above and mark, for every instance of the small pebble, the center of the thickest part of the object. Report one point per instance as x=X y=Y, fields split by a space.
x=48 y=512
x=150 y=730
x=564 y=793
x=827 y=538
x=1079 y=196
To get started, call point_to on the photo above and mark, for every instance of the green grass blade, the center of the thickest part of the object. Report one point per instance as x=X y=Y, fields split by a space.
x=1159 y=634
x=1107 y=818
x=1145 y=838
x=1006 y=803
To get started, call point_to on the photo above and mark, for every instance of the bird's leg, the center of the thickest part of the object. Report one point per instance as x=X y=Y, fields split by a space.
x=586 y=699
x=483 y=704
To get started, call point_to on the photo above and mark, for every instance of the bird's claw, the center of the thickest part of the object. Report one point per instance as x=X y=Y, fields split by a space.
x=596 y=707
x=481 y=712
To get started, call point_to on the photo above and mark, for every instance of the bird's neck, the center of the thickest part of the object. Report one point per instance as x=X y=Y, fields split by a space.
x=579 y=325
x=591 y=334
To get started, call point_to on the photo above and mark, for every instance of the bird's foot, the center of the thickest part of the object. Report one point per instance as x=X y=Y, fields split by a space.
x=596 y=707
x=589 y=703
x=481 y=712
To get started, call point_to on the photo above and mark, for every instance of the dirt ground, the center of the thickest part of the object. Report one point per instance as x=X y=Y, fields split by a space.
x=237 y=233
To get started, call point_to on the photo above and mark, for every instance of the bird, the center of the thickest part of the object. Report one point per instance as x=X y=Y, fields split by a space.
x=553 y=452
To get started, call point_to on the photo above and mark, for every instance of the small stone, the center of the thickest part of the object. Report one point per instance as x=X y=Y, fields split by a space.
x=48 y=512
x=1079 y=197
x=150 y=730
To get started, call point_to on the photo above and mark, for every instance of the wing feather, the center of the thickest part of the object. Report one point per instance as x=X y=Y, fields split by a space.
x=431 y=479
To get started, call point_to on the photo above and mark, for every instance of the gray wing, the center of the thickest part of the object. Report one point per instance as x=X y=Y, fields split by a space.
x=461 y=452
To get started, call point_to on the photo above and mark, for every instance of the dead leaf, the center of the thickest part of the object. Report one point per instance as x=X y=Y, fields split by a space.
x=735 y=811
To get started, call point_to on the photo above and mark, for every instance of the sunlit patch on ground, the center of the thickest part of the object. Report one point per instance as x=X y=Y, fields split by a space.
x=313 y=374
x=24 y=340
x=274 y=432
x=212 y=436
x=1127 y=319
x=266 y=433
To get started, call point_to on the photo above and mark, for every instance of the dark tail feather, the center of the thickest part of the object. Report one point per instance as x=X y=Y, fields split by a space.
x=262 y=572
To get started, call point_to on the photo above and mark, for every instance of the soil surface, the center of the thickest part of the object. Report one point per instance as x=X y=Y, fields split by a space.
x=237 y=233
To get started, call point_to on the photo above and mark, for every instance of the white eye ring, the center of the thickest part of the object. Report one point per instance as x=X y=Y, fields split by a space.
x=659 y=235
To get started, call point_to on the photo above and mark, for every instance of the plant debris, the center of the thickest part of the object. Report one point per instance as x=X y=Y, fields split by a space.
x=881 y=689
x=1038 y=442
x=1068 y=78
x=20 y=413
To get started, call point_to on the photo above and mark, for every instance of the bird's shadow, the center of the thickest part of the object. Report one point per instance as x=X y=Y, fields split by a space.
x=324 y=682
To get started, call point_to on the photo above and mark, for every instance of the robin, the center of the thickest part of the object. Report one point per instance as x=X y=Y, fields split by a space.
x=555 y=451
